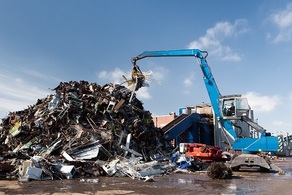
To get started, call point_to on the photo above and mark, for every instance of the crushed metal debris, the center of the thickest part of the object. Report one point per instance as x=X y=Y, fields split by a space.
x=83 y=130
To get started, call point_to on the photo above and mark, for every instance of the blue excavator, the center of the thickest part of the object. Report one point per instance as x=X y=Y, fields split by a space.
x=227 y=110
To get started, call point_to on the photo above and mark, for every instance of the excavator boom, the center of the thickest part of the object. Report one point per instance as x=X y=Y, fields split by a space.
x=248 y=145
x=209 y=80
x=226 y=109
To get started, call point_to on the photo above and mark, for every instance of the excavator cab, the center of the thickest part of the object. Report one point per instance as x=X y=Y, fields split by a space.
x=233 y=107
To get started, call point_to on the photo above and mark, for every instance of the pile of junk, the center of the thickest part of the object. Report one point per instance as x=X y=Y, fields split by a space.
x=84 y=130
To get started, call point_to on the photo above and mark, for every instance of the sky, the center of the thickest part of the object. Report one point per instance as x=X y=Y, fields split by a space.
x=43 y=43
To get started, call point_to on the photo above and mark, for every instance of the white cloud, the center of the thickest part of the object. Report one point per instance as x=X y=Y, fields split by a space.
x=113 y=76
x=143 y=94
x=188 y=81
x=158 y=74
x=17 y=93
x=283 y=20
x=290 y=97
x=261 y=103
x=289 y=102
x=186 y=92
x=284 y=126
x=39 y=75
x=213 y=40
x=278 y=123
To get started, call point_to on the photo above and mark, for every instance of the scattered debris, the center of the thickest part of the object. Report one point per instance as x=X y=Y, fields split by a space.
x=89 y=180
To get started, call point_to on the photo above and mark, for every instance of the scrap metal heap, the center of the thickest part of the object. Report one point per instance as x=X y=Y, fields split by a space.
x=82 y=130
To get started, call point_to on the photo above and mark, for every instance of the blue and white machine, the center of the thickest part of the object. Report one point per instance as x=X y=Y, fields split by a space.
x=226 y=109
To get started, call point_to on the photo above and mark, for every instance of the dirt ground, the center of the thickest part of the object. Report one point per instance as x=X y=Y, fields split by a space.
x=249 y=182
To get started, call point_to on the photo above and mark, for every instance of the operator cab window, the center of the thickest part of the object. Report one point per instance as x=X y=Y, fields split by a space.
x=235 y=107
x=229 y=108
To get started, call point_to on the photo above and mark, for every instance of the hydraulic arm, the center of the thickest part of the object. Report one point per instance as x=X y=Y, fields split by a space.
x=265 y=143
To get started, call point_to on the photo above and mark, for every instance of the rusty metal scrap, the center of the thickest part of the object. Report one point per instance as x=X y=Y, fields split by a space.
x=76 y=131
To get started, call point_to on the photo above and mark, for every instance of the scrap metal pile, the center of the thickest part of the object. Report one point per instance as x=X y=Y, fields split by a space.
x=82 y=130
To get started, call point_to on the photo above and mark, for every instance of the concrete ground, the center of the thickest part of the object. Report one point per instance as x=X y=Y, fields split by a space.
x=249 y=182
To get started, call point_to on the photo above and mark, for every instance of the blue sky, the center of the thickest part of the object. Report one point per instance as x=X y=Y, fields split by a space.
x=249 y=42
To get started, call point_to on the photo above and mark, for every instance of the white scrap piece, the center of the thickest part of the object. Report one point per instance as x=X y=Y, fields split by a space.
x=129 y=136
x=68 y=171
x=87 y=153
x=111 y=167
x=127 y=169
x=54 y=102
x=148 y=178
x=67 y=156
x=134 y=169
x=131 y=150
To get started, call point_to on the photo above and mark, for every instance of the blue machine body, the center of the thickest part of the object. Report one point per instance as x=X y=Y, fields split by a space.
x=188 y=128
x=265 y=142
